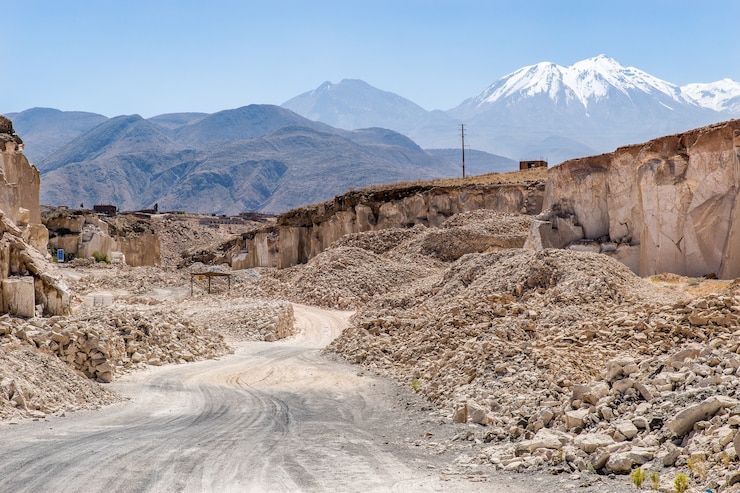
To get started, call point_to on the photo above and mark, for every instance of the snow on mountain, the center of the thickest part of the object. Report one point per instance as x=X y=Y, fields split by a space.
x=723 y=95
x=560 y=112
x=583 y=82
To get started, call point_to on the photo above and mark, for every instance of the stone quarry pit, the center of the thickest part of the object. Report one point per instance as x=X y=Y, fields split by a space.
x=409 y=342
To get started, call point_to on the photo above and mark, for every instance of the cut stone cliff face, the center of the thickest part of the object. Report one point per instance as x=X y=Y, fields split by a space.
x=27 y=278
x=303 y=233
x=669 y=205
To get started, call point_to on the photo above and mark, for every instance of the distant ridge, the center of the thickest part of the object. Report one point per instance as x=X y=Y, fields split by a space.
x=255 y=158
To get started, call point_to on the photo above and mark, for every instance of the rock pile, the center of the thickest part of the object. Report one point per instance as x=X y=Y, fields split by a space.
x=97 y=342
x=569 y=360
x=246 y=319
x=34 y=384
x=362 y=266
x=342 y=278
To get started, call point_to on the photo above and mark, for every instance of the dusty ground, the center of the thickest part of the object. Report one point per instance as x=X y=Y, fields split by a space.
x=271 y=417
x=446 y=320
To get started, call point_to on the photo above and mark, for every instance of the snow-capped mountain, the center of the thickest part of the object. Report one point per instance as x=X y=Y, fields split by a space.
x=539 y=111
x=597 y=102
x=584 y=82
x=723 y=95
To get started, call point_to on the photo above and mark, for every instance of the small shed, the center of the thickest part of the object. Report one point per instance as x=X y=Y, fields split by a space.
x=207 y=276
x=532 y=164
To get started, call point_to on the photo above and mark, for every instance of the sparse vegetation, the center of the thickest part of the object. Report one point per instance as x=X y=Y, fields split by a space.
x=415 y=385
x=681 y=483
x=101 y=257
x=638 y=477
x=655 y=480
x=698 y=467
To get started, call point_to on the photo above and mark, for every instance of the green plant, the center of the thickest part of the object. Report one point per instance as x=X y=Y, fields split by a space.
x=681 y=483
x=101 y=257
x=415 y=385
x=638 y=476
x=655 y=480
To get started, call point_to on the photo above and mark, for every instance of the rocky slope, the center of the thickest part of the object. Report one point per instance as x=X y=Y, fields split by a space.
x=559 y=360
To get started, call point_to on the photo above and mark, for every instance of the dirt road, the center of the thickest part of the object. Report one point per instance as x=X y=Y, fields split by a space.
x=271 y=417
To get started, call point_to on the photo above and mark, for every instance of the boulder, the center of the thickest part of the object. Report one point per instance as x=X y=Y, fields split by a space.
x=619 y=463
x=590 y=393
x=685 y=420
x=589 y=442
x=627 y=428
x=574 y=419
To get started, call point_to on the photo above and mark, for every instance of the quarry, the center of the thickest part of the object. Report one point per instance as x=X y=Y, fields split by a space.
x=548 y=329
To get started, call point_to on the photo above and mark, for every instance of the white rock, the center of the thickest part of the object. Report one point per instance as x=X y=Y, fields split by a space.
x=589 y=442
x=627 y=428
x=685 y=420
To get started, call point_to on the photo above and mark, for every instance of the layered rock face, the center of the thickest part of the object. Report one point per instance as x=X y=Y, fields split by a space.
x=302 y=234
x=669 y=205
x=20 y=183
x=86 y=234
x=28 y=280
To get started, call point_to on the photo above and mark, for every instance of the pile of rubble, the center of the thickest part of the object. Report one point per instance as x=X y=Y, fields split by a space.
x=557 y=359
x=342 y=278
x=34 y=384
x=570 y=361
x=98 y=342
x=245 y=319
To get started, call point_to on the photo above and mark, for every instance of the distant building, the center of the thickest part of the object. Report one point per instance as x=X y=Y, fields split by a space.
x=532 y=164
x=108 y=210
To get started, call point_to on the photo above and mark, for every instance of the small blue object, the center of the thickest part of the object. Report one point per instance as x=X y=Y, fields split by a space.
x=60 y=255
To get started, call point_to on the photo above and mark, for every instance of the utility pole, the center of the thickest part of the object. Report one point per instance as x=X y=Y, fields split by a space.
x=462 y=134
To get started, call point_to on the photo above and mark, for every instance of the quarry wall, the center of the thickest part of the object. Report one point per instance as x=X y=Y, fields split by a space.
x=668 y=205
x=28 y=282
x=85 y=234
x=301 y=234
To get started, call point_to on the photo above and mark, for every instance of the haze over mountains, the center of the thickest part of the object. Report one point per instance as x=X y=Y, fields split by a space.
x=270 y=158
x=258 y=157
x=544 y=110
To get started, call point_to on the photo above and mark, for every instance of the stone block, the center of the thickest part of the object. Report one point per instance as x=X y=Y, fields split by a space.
x=19 y=297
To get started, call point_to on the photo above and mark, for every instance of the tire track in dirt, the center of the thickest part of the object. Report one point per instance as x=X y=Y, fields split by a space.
x=271 y=417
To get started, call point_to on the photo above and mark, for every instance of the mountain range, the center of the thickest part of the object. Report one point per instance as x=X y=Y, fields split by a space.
x=350 y=134
x=255 y=158
x=539 y=111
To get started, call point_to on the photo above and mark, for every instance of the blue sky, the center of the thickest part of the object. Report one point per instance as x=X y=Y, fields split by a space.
x=162 y=56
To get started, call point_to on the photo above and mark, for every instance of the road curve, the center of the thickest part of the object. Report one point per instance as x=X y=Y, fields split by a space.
x=277 y=417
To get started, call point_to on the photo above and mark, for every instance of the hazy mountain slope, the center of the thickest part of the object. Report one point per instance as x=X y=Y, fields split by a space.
x=246 y=122
x=290 y=167
x=44 y=130
x=353 y=104
x=134 y=163
x=175 y=120
x=331 y=164
x=121 y=135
